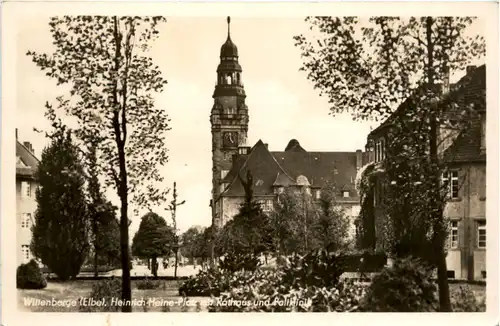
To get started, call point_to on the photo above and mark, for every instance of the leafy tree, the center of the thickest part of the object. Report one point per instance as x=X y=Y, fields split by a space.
x=249 y=232
x=290 y=223
x=301 y=224
x=102 y=213
x=193 y=244
x=369 y=67
x=60 y=231
x=153 y=239
x=104 y=60
x=331 y=225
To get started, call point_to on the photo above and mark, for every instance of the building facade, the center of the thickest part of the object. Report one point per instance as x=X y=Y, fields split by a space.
x=26 y=166
x=272 y=171
x=464 y=152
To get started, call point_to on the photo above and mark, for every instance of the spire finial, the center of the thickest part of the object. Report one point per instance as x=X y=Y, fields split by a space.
x=228 y=25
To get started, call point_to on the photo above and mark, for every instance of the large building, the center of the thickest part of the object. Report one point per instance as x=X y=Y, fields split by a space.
x=272 y=170
x=26 y=166
x=465 y=154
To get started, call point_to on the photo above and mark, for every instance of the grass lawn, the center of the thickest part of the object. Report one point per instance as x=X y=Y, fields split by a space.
x=479 y=290
x=72 y=291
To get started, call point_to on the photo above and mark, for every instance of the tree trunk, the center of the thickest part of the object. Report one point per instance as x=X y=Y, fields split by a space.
x=444 y=290
x=154 y=267
x=120 y=130
x=126 y=290
x=176 y=257
x=96 y=256
x=96 y=269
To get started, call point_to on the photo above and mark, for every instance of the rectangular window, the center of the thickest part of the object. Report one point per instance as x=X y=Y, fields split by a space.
x=25 y=252
x=481 y=234
x=318 y=194
x=450 y=180
x=346 y=194
x=223 y=173
x=382 y=150
x=25 y=189
x=454 y=234
x=26 y=220
x=267 y=205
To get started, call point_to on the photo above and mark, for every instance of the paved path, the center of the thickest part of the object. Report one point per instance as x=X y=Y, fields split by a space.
x=142 y=270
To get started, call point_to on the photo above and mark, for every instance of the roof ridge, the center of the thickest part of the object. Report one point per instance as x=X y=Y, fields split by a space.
x=238 y=173
x=29 y=152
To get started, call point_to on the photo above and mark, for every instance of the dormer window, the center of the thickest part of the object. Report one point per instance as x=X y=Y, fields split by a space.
x=345 y=194
x=317 y=194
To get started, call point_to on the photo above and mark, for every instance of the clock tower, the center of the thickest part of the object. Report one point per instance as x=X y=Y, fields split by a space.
x=228 y=118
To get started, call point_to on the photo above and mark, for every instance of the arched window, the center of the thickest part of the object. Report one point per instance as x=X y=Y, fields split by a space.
x=229 y=80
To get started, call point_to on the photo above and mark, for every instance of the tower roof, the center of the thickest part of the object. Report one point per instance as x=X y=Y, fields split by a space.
x=228 y=49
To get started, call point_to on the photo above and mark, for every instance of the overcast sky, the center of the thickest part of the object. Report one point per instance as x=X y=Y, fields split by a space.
x=282 y=102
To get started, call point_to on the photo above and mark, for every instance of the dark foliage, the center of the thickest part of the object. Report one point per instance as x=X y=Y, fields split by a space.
x=407 y=286
x=209 y=282
x=29 y=276
x=107 y=290
x=267 y=291
x=250 y=231
x=233 y=262
x=153 y=239
x=318 y=268
x=464 y=300
x=60 y=231
x=148 y=284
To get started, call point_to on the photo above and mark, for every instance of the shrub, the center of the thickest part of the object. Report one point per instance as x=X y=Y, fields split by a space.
x=148 y=284
x=210 y=282
x=104 y=290
x=464 y=300
x=317 y=268
x=263 y=292
x=29 y=276
x=407 y=286
x=233 y=262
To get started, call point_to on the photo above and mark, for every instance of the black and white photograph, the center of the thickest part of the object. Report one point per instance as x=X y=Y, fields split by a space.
x=245 y=163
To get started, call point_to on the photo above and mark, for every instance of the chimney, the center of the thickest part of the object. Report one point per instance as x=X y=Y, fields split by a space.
x=359 y=159
x=16 y=133
x=28 y=145
x=470 y=69
x=234 y=159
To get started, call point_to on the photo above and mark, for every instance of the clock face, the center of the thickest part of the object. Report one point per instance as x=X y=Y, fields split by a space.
x=230 y=139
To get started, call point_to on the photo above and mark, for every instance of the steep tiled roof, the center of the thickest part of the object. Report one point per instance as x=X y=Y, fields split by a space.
x=284 y=168
x=264 y=169
x=469 y=89
x=320 y=167
x=27 y=163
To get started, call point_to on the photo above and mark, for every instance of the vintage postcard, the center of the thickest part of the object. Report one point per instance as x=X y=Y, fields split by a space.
x=331 y=157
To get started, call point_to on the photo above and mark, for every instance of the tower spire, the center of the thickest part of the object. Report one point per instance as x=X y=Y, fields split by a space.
x=228 y=27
